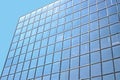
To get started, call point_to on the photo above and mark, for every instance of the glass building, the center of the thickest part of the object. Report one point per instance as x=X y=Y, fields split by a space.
x=67 y=40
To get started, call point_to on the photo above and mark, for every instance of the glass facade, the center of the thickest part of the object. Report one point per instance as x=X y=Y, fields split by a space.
x=67 y=40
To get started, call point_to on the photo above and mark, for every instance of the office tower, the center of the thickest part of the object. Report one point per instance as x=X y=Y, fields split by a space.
x=67 y=40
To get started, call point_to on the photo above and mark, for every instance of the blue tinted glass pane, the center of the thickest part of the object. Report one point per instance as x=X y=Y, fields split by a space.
x=67 y=34
x=49 y=59
x=84 y=20
x=117 y=64
x=75 y=41
x=39 y=71
x=113 y=19
x=31 y=73
x=76 y=8
x=66 y=54
x=102 y=13
x=115 y=28
x=68 y=11
x=107 y=67
x=19 y=67
x=46 y=77
x=56 y=67
x=103 y=22
x=68 y=18
x=93 y=16
x=74 y=74
x=109 y=77
x=95 y=57
x=84 y=72
x=17 y=76
x=117 y=76
x=84 y=12
x=64 y=76
x=96 y=70
x=94 y=35
x=76 y=23
x=58 y=46
x=106 y=54
x=116 y=39
x=96 y=78
x=26 y=65
x=9 y=61
x=93 y=8
x=75 y=51
x=74 y=62
x=116 y=51
x=35 y=54
x=105 y=42
x=75 y=32
x=104 y=32
x=24 y=75
x=6 y=71
x=10 y=77
x=84 y=38
x=33 y=63
x=84 y=48
x=112 y=10
x=84 y=29
x=55 y=77
x=65 y=65
x=57 y=56
x=66 y=44
x=50 y=49
x=94 y=46
x=42 y=51
x=84 y=4
x=47 y=69
x=76 y=2
x=94 y=25
x=13 y=68
x=76 y=15
x=101 y=5
x=41 y=61
x=84 y=60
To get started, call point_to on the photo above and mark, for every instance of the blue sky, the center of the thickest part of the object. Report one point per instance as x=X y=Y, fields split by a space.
x=10 y=11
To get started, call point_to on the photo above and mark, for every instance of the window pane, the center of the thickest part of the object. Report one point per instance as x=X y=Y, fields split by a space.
x=117 y=64
x=115 y=28
x=56 y=67
x=109 y=77
x=96 y=70
x=74 y=74
x=55 y=77
x=85 y=38
x=116 y=39
x=107 y=67
x=47 y=69
x=84 y=48
x=105 y=42
x=104 y=32
x=94 y=35
x=64 y=75
x=95 y=57
x=24 y=75
x=64 y=65
x=116 y=51
x=31 y=73
x=106 y=54
x=39 y=71
x=84 y=72
x=94 y=46
x=74 y=62
x=84 y=60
